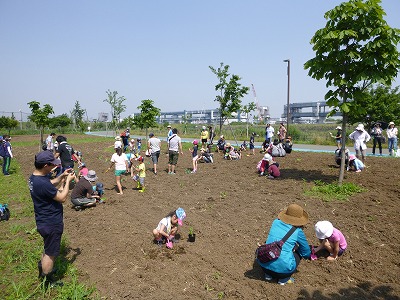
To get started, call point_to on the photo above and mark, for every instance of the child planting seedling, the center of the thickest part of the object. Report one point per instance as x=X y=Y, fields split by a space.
x=168 y=227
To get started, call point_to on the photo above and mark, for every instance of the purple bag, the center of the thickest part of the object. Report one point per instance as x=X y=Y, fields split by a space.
x=270 y=252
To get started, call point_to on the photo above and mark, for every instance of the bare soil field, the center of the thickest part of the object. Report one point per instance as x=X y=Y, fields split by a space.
x=231 y=209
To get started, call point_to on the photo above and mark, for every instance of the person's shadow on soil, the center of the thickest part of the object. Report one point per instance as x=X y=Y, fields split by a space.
x=363 y=290
x=309 y=175
x=255 y=273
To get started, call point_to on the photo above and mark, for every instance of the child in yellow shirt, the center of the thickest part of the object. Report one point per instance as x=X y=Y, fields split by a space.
x=139 y=178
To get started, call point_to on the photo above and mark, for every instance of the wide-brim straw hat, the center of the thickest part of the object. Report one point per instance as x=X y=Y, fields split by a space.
x=294 y=215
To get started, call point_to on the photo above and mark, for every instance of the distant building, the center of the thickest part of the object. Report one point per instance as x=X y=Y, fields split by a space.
x=308 y=112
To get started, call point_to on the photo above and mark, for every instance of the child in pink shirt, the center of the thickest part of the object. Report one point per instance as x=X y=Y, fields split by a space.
x=331 y=239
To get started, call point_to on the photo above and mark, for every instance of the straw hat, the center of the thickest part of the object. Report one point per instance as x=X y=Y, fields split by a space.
x=294 y=215
x=391 y=123
x=338 y=128
x=323 y=229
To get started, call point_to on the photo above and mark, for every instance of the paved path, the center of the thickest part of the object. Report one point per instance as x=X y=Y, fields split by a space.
x=296 y=147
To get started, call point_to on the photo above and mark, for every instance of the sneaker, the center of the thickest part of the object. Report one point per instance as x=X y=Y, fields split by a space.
x=286 y=281
x=268 y=277
x=194 y=171
x=271 y=177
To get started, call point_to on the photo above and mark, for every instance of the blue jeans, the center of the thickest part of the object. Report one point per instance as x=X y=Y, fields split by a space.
x=392 y=143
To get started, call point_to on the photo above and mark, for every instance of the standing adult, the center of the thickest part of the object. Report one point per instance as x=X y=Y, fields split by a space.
x=377 y=135
x=204 y=136
x=295 y=247
x=154 y=146
x=282 y=132
x=360 y=138
x=269 y=133
x=50 y=141
x=174 y=146
x=64 y=152
x=82 y=194
x=47 y=202
x=211 y=134
x=7 y=151
x=392 y=138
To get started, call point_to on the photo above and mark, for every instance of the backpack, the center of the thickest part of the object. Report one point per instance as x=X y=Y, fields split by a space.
x=4 y=212
x=270 y=252
x=3 y=149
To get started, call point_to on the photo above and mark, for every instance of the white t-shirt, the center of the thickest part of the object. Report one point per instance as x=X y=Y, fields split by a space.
x=119 y=161
x=269 y=131
x=167 y=223
x=49 y=140
x=173 y=143
x=154 y=144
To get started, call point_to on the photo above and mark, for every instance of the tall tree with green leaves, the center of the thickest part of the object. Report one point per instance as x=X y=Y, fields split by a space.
x=148 y=114
x=77 y=115
x=247 y=109
x=117 y=107
x=61 y=122
x=40 y=116
x=354 y=50
x=230 y=92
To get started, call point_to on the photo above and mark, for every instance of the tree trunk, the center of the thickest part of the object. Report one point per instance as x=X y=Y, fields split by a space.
x=343 y=147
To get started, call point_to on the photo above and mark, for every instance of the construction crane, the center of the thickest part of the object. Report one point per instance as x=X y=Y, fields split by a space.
x=260 y=110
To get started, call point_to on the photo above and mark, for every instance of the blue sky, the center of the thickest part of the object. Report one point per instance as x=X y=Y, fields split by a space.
x=59 y=52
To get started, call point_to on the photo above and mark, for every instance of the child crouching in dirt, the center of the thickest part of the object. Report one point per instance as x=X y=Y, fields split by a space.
x=355 y=164
x=139 y=178
x=168 y=227
x=267 y=166
x=331 y=239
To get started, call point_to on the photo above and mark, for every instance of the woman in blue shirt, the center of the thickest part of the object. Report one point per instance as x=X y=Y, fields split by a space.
x=295 y=248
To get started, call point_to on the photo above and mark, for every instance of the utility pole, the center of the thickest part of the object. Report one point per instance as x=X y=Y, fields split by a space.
x=288 y=95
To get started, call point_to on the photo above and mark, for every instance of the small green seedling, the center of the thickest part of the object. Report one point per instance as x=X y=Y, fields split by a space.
x=190 y=230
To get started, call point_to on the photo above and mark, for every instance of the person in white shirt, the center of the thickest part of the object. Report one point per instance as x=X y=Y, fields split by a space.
x=360 y=138
x=269 y=133
x=174 y=146
x=154 y=147
x=392 y=138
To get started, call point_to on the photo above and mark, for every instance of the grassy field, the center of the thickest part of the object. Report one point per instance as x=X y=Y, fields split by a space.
x=21 y=247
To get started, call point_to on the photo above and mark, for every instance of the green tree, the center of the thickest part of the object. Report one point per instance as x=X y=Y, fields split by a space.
x=117 y=107
x=148 y=114
x=40 y=116
x=247 y=109
x=379 y=103
x=8 y=123
x=77 y=115
x=355 y=49
x=60 y=122
x=231 y=92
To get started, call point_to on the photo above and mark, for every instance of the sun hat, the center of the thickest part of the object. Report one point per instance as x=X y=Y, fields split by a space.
x=352 y=157
x=360 y=127
x=204 y=127
x=267 y=157
x=323 y=229
x=294 y=215
x=118 y=138
x=338 y=128
x=169 y=126
x=132 y=140
x=222 y=136
x=391 y=123
x=228 y=145
x=91 y=176
x=181 y=215
x=195 y=142
x=47 y=157
x=140 y=158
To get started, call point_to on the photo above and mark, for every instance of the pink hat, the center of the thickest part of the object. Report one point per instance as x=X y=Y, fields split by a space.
x=195 y=142
x=352 y=157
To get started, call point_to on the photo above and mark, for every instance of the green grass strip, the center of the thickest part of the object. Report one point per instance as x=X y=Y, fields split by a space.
x=21 y=248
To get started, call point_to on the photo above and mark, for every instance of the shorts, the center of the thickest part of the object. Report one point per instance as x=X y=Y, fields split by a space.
x=173 y=157
x=119 y=172
x=195 y=157
x=51 y=235
x=155 y=156
x=251 y=146
x=204 y=141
